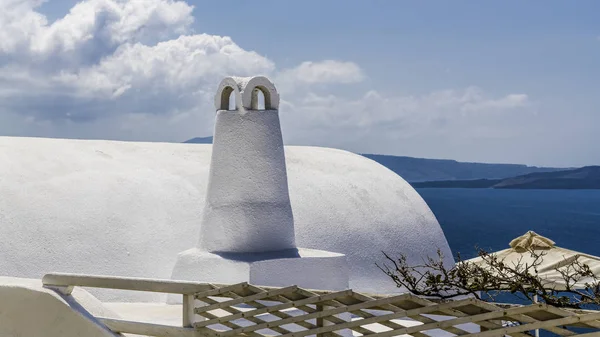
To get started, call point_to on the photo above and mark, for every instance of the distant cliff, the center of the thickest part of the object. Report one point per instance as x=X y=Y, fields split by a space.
x=421 y=169
x=587 y=177
x=200 y=140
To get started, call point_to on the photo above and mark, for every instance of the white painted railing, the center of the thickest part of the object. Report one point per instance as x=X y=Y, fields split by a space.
x=216 y=310
x=64 y=283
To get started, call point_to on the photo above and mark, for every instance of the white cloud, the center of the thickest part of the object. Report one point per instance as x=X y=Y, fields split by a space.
x=328 y=71
x=134 y=70
x=95 y=26
x=101 y=61
x=409 y=115
x=178 y=66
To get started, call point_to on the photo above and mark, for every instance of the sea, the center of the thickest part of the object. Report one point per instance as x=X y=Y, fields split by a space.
x=490 y=218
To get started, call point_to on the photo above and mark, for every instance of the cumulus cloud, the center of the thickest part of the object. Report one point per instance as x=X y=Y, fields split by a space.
x=134 y=70
x=90 y=26
x=112 y=60
x=328 y=71
x=475 y=99
x=437 y=124
x=374 y=112
x=173 y=66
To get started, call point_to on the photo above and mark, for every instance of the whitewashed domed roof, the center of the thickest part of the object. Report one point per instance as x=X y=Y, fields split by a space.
x=128 y=208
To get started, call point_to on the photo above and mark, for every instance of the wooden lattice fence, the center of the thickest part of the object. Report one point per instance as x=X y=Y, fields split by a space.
x=248 y=310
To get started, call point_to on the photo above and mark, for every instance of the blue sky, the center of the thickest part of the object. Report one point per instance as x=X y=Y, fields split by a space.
x=504 y=81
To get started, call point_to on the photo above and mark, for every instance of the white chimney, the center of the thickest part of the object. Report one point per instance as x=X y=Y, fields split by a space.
x=247 y=204
x=247 y=227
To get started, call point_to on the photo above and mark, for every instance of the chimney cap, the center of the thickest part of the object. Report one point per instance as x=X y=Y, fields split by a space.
x=246 y=90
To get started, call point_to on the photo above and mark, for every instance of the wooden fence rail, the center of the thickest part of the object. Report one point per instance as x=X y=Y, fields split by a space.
x=243 y=309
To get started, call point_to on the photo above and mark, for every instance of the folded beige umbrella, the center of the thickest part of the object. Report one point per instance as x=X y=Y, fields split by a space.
x=553 y=261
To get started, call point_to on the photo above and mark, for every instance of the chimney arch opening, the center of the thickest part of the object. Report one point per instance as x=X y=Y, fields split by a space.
x=228 y=101
x=261 y=99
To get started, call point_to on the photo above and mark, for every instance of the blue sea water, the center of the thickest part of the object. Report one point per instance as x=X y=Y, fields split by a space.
x=490 y=218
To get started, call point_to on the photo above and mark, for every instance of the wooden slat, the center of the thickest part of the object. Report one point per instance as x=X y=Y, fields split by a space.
x=261 y=296
x=147 y=329
x=125 y=283
x=389 y=324
x=541 y=325
x=216 y=291
x=564 y=313
x=589 y=334
x=188 y=311
x=526 y=319
x=331 y=319
x=327 y=305
x=277 y=307
x=340 y=310
x=456 y=312
x=284 y=315
x=393 y=325
x=255 y=320
x=408 y=330
x=230 y=325
x=333 y=303
x=356 y=298
x=129 y=283
x=301 y=320
x=249 y=315
x=307 y=325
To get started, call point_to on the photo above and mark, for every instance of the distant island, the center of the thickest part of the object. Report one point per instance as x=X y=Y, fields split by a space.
x=200 y=140
x=422 y=172
x=587 y=177
x=422 y=169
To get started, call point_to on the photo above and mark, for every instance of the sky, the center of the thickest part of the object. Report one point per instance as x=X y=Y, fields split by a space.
x=501 y=82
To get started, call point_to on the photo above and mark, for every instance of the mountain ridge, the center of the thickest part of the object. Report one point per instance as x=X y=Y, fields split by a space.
x=424 y=170
x=587 y=177
x=200 y=140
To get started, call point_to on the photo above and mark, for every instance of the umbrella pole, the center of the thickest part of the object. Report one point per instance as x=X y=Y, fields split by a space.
x=535 y=300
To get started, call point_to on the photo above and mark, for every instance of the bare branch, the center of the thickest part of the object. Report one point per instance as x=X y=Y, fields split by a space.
x=433 y=279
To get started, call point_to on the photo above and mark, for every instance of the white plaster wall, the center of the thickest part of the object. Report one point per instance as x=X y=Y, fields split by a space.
x=27 y=310
x=248 y=205
x=347 y=203
x=195 y=264
x=125 y=208
x=308 y=268
x=312 y=270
